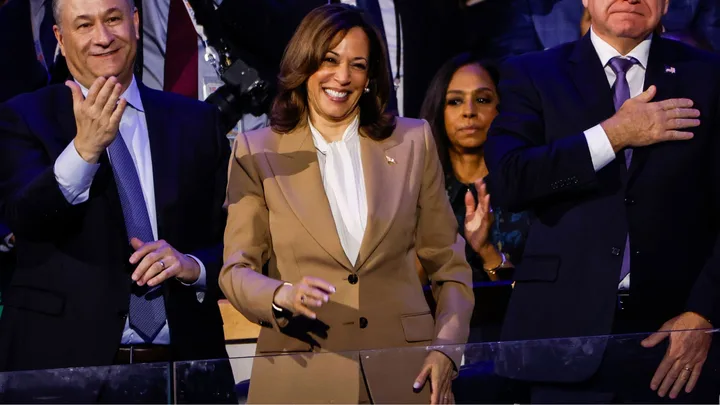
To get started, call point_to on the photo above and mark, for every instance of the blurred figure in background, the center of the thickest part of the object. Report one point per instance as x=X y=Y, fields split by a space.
x=696 y=19
x=171 y=55
x=502 y=28
x=460 y=105
x=28 y=49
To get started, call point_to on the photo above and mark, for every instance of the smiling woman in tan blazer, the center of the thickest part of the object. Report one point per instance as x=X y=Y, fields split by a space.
x=328 y=210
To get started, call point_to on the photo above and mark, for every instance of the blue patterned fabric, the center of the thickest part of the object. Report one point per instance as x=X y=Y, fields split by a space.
x=508 y=233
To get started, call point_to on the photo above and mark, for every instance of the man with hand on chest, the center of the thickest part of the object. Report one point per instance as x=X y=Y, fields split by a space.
x=612 y=142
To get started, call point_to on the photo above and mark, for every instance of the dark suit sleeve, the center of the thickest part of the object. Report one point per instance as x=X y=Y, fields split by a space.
x=212 y=257
x=705 y=296
x=4 y=231
x=33 y=205
x=525 y=168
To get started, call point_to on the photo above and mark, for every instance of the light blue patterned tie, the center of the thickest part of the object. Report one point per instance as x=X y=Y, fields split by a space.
x=621 y=92
x=147 y=307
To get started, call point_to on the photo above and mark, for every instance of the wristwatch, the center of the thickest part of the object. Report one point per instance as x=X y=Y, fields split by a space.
x=494 y=270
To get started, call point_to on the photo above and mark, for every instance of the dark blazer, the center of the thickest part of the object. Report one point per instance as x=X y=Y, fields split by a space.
x=669 y=200
x=7 y=261
x=699 y=17
x=503 y=28
x=20 y=71
x=68 y=300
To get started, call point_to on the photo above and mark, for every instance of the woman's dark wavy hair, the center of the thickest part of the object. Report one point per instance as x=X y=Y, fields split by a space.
x=433 y=107
x=316 y=35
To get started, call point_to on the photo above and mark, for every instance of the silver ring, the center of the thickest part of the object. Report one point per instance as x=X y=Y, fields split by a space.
x=302 y=299
x=162 y=264
x=687 y=368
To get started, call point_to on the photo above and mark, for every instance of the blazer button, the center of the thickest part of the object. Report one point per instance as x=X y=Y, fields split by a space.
x=363 y=322
x=353 y=279
x=615 y=251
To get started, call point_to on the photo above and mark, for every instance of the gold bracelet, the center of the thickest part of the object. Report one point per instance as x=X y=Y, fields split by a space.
x=494 y=270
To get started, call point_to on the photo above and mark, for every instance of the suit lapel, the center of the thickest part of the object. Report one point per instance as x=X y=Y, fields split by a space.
x=589 y=77
x=297 y=172
x=385 y=167
x=660 y=72
x=165 y=139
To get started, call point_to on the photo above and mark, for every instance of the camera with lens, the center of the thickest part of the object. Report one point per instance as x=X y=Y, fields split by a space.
x=244 y=90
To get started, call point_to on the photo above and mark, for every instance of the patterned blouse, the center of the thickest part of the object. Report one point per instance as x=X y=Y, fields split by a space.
x=508 y=232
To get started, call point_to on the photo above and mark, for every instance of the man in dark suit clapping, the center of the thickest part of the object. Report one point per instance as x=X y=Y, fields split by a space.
x=115 y=194
x=612 y=142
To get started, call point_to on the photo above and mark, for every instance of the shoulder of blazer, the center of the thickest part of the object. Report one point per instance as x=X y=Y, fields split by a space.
x=405 y=129
x=43 y=101
x=263 y=139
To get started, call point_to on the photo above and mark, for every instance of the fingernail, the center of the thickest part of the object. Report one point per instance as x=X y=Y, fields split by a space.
x=134 y=277
x=416 y=385
x=325 y=298
x=333 y=289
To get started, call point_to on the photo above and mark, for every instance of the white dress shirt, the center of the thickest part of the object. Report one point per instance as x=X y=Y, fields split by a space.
x=601 y=150
x=74 y=176
x=344 y=183
x=387 y=8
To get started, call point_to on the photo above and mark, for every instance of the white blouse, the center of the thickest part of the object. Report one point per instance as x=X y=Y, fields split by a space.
x=344 y=183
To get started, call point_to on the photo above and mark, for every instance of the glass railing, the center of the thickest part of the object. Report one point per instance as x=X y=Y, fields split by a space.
x=136 y=383
x=497 y=372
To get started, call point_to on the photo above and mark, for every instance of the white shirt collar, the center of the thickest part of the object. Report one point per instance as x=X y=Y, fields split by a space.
x=606 y=52
x=350 y=132
x=131 y=94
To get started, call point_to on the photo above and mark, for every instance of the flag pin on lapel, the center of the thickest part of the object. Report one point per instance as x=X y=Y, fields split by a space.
x=390 y=160
x=670 y=69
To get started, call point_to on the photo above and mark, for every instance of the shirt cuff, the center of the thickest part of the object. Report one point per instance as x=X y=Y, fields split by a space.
x=201 y=282
x=277 y=308
x=74 y=175
x=601 y=150
x=6 y=245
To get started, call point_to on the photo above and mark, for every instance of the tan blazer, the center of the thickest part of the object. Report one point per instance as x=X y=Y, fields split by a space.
x=279 y=214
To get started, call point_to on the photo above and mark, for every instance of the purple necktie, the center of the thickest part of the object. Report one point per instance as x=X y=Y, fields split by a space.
x=147 y=305
x=621 y=92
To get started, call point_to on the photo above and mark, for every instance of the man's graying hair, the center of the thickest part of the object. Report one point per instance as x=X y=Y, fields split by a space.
x=57 y=3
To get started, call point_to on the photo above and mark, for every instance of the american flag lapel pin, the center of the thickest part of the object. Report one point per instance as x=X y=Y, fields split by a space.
x=390 y=160
x=670 y=69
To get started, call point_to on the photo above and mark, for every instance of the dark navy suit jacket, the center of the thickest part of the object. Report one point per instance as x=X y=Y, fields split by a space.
x=67 y=302
x=668 y=201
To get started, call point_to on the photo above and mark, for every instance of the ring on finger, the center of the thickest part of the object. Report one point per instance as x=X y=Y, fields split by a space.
x=302 y=298
x=687 y=368
x=162 y=264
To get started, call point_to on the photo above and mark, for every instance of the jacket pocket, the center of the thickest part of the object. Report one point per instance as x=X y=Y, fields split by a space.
x=538 y=268
x=418 y=327
x=34 y=299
